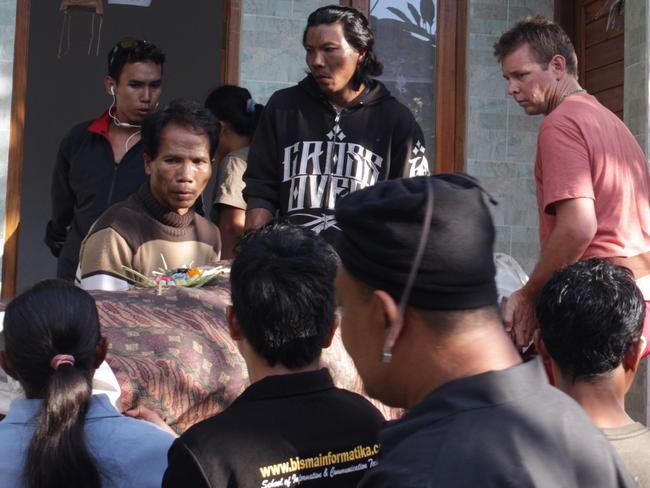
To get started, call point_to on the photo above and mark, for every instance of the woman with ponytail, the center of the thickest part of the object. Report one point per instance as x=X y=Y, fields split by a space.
x=238 y=114
x=62 y=435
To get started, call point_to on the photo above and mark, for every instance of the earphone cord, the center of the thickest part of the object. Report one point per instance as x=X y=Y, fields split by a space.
x=126 y=144
x=397 y=325
x=117 y=121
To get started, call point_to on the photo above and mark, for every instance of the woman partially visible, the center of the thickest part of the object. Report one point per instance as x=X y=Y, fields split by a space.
x=238 y=114
x=62 y=435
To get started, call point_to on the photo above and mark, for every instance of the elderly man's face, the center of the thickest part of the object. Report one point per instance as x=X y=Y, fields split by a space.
x=182 y=168
x=529 y=83
x=362 y=331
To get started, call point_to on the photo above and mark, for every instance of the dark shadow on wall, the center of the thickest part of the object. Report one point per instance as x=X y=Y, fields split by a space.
x=63 y=92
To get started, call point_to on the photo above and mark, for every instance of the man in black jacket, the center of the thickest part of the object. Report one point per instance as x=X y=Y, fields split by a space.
x=419 y=318
x=337 y=131
x=291 y=426
x=100 y=162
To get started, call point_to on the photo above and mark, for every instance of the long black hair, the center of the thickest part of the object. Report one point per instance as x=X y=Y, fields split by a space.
x=235 y=105
x=357 y=32
x=54 y=317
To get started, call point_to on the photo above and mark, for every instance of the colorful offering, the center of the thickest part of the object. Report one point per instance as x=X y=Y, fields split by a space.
x=164 y=278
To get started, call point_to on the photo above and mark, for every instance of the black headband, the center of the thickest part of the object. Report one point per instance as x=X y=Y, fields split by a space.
x=381 y=227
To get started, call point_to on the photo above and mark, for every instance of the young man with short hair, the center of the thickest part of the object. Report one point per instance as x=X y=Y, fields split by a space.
x=291 y=425
x=100 y=162
x=591 y=318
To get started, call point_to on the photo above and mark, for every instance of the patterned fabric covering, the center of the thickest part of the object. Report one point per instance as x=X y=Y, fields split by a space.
x=173 y=353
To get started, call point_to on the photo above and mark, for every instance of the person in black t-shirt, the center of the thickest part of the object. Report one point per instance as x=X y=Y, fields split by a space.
x=291 y=426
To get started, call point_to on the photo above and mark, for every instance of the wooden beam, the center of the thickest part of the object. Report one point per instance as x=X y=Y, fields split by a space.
x=564 y=14
x=230 y=53
x=579 y=37
x=16 y=143
x=451 y=86
x=461 y=85
x=362 y=6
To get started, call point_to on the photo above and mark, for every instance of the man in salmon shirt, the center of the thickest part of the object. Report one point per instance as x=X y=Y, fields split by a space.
x=591 y=175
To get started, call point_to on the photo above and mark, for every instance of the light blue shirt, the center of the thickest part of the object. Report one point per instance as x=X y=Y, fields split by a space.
x=129 y=452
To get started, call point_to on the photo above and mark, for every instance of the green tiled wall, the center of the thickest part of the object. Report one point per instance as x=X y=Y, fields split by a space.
x=271 y=52
x=501 y=138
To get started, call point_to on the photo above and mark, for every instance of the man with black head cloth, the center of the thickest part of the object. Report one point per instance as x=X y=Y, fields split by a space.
x=419 y=318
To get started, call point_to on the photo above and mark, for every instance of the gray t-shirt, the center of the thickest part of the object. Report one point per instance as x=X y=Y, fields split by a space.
x=499 y=429
x=633 y=445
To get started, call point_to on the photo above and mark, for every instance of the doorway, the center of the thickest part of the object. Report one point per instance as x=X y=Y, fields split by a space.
x=66 y=91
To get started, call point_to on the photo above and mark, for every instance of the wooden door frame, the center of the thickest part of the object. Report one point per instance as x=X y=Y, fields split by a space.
x=450 y=103
x=564 y=14
x=230 y=52
x=451 y=86
x=16 y=150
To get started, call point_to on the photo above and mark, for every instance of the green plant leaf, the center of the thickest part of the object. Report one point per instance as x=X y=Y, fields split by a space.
x=415 y=13
x=401 y=15
x=428 y=11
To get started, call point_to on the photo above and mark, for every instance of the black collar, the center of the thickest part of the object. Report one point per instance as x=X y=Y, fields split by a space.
x=287 y=385
x=474 y=392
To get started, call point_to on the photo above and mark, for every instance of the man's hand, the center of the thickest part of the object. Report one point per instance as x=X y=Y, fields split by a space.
x=256 y=218
x=519 y=318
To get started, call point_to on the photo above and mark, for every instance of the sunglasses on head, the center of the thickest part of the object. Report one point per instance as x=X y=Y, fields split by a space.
x=128 y=44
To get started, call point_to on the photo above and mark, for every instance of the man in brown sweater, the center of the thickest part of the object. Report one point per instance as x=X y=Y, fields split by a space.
x=157 y=227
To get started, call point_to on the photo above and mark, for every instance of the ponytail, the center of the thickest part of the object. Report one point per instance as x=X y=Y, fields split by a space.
x=57 y=454
x=235 y=105
x=51 y=338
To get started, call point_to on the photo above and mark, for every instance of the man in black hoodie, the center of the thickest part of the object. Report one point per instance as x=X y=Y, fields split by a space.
x=337 y=131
